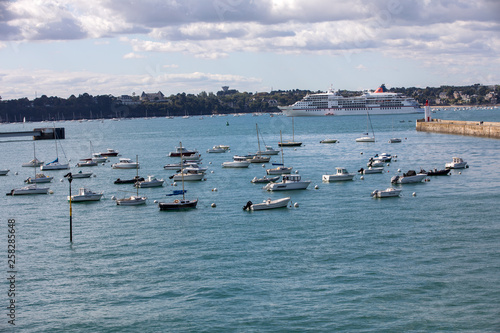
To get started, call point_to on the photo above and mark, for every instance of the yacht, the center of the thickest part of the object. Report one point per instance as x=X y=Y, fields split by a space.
x=457 y=163
x=29 y=189
x=125 y=163
x=340 y=175
x=288 y=182
x=85 y=194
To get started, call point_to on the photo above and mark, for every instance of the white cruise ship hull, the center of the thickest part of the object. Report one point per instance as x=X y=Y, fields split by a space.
x=290 y=111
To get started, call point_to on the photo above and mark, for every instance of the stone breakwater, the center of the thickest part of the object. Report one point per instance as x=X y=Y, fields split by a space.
x=457 y=127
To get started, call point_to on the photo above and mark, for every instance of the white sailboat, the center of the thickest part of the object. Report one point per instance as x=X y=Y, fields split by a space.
x=55 y=164
x=280 y=169
x=34 y=163
x=133 y=200
x=366 y=137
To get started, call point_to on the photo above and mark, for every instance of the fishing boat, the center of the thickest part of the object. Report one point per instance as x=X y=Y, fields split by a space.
x=4 y=172
x=457 y=163
x=133 y=200
x=366 y=137
x=292 y=143
x=288 y=182
x=29 y=189
x=85 y=195
x=179 y=204
x=151 y=181
x=125 y=163
x=387 y=193
x=341 y=175
x=268 y=204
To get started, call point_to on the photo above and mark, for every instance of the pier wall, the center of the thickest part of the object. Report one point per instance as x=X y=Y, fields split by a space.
x=458 y=127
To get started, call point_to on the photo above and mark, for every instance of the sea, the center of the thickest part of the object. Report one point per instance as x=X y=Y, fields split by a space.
x=335 y=260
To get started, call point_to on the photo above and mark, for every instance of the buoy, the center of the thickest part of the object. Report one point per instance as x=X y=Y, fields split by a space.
x=362 y=177
x=414 y=194
x=213 y=205
x=209 y=162
x=399 y=170
x=103 y=163
x=51 y=192
x=388 y=164
x=95 y=175
x=156 y=201
x=212 y=171
x=296 y=205
x=361 y=153
x=316 y=187
x=16 y=173
x=460 y=172
x=214 y=189
x=296 y=171
x=61 y=180
x=174 y=184
x=113 y=197
x=263 y=165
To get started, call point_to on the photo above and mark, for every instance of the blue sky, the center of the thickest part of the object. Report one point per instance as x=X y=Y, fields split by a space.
x=65 y=47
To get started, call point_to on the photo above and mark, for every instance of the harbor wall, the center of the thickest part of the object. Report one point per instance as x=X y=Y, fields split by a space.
x=458 y=127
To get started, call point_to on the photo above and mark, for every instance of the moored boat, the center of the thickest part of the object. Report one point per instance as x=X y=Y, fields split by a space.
x=29 y=189
x=340 y=175
x=4 y=172
x=85 y=194
x=288 y=182
x=268 y=204
x=129 y=181
x=389 y=192
x=151 y=181
x=409 y=177
x=126 y=163
x=371 y=170
x=457 y=163
x=109 y=153
x=436 y=172
x=264 y=179
x=39 y=178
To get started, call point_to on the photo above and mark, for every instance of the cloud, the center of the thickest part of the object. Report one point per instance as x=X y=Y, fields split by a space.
x=133 y=55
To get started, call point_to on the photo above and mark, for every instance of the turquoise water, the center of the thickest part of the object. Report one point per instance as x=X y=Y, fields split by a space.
x=341 y=261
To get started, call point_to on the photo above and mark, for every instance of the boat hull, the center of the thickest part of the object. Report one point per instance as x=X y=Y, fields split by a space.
x=302 y=185
x=409 y=179
x=336 y=178
x=389 y=193
x=188 y=177
x=178 y=205
x=295 y=112
x=54 y=167
x=132 y=201
x=271 y=204
x=235 y=164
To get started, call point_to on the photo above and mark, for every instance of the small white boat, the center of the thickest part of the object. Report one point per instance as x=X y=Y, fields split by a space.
x=384 y=157
x=85 y=194
x=4 y=172
x=133 y=200
x=29 y=189
x=341 y=175
x=195 y=167
x=410 y=177
x=268 y=204
x=97 y=157
x=288 y=182
x=54 y=165
x=34 y=163
x=217 y=149
x=457 y=163
x=370 y=170
x=192 y=157
x=126 y=163
x=151 y=181
x=394 y=140
x=39 y=178
x=188 y=176
x=81 y=174
x=259 y=159
x=328 y=141
x=265 y=179
x=389 y=192
x=375 y=163
x=236 y=164
x=109 y=153
x=366 y=138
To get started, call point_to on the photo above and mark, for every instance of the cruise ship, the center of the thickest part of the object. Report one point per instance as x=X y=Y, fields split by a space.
x=331 y=103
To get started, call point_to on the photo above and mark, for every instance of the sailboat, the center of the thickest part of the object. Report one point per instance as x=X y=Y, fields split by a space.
x=183 y=203
x=394 y=140
x=281 y=169
x=258 y=158
x=34 y=163
x=133 y=200
x=292 y=143
x=366 y=137
x=55 y=164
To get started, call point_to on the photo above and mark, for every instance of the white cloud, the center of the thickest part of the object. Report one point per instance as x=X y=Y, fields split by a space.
x=133 y=55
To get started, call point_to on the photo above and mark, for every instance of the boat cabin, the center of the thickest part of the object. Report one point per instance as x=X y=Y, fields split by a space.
x=291 y=178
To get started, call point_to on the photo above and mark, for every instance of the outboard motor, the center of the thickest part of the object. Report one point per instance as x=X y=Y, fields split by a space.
x=361 y=170
x=247 y=206
x=394 y=179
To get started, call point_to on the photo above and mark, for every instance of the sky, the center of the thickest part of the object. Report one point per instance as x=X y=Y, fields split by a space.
x=124 y=47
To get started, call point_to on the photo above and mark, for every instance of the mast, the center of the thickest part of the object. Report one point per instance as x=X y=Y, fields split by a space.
x=293 y=131
x=137 y=171
x=281 y=139
x=258 y=140
x=182 y=172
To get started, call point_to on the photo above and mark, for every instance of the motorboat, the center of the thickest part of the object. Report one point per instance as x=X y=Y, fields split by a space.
x=126 y=163
x=288 y=182
x=340 y=175
x=29 y=189
x=182 y=151
x=384 y=157
x=109 y=153
x=436 y=172
x=279 y=170
x=85 y=194
x=375 y=163
x=410 y=177
x=87 y=163
x=34 y=163
x=259 y=159
x=151 y=181
x=180 y=204
x=81 y=174
x=329 y=141
x=387 y=193
x=188 y=176
x=195 y=167
x=97 y=157
x=457 y=163
x=217 y=149
x=129 y=181
x=269 y=151
x=371 y=170
x=54 y=165
x=192 y=157
x=265 y=179
x=39 y=178
x=394 y=140
x=268 y=204
x=4 y=172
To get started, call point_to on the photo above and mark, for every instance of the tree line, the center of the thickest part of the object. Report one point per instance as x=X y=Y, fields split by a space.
x=86 y=106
